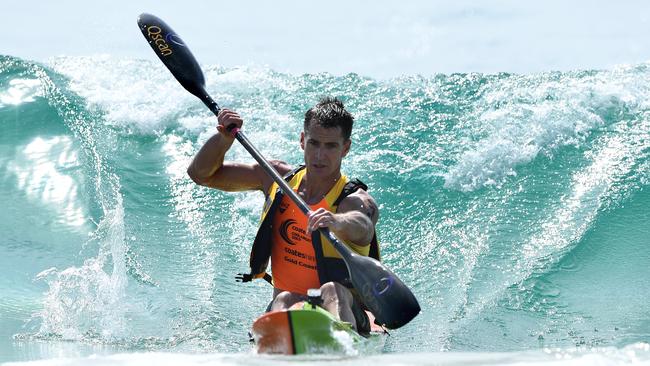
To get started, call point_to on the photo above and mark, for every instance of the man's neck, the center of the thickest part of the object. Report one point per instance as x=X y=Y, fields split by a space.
x=314 y=189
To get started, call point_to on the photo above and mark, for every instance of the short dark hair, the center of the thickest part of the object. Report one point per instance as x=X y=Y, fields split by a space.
x=329 y=113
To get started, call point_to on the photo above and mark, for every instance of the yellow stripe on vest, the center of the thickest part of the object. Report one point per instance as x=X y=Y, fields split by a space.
x=330 y=198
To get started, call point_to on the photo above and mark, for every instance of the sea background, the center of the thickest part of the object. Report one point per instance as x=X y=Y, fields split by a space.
x=507 y=144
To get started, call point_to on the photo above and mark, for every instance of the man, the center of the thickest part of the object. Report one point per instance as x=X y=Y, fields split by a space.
x=289 y=238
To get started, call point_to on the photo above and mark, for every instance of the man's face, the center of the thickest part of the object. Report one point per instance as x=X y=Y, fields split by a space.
x=324 y=149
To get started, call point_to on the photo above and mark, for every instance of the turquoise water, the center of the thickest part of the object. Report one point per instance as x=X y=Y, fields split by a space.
x=515 y=206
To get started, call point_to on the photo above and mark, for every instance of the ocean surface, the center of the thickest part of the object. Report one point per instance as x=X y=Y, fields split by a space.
x=516 y=206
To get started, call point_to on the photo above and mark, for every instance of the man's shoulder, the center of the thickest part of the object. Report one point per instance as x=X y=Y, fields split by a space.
x=360 y=200
x=280 y=166
x=359 y=195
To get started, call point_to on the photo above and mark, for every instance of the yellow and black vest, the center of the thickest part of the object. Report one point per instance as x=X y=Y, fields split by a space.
x=330 y=266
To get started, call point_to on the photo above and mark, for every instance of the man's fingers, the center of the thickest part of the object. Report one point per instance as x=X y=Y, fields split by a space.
x=319 y=218
x=227 y=118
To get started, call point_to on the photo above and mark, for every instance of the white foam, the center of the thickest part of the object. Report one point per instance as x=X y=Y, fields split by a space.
x=636 y=354
x=143 y=97
x=134 y=94
x=21 y=91
x=524 y=117
x=88 y=300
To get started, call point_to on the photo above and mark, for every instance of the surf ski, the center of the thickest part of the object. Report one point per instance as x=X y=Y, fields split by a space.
x=307 y=328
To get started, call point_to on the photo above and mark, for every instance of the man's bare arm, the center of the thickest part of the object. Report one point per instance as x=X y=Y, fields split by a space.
x=354 y=221
x=209 y=169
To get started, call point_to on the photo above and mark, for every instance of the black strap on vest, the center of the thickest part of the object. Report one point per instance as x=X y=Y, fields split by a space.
x=349 y=188
x=288 y=177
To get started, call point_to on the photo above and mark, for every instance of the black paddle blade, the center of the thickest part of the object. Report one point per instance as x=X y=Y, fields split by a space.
x=173 y=52
x=385 y=295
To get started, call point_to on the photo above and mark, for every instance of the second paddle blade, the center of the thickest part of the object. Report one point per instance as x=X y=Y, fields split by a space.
x=172 y=51
x=385 y=295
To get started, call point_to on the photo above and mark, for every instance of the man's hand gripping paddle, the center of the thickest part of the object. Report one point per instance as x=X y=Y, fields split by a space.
x=392 y=303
